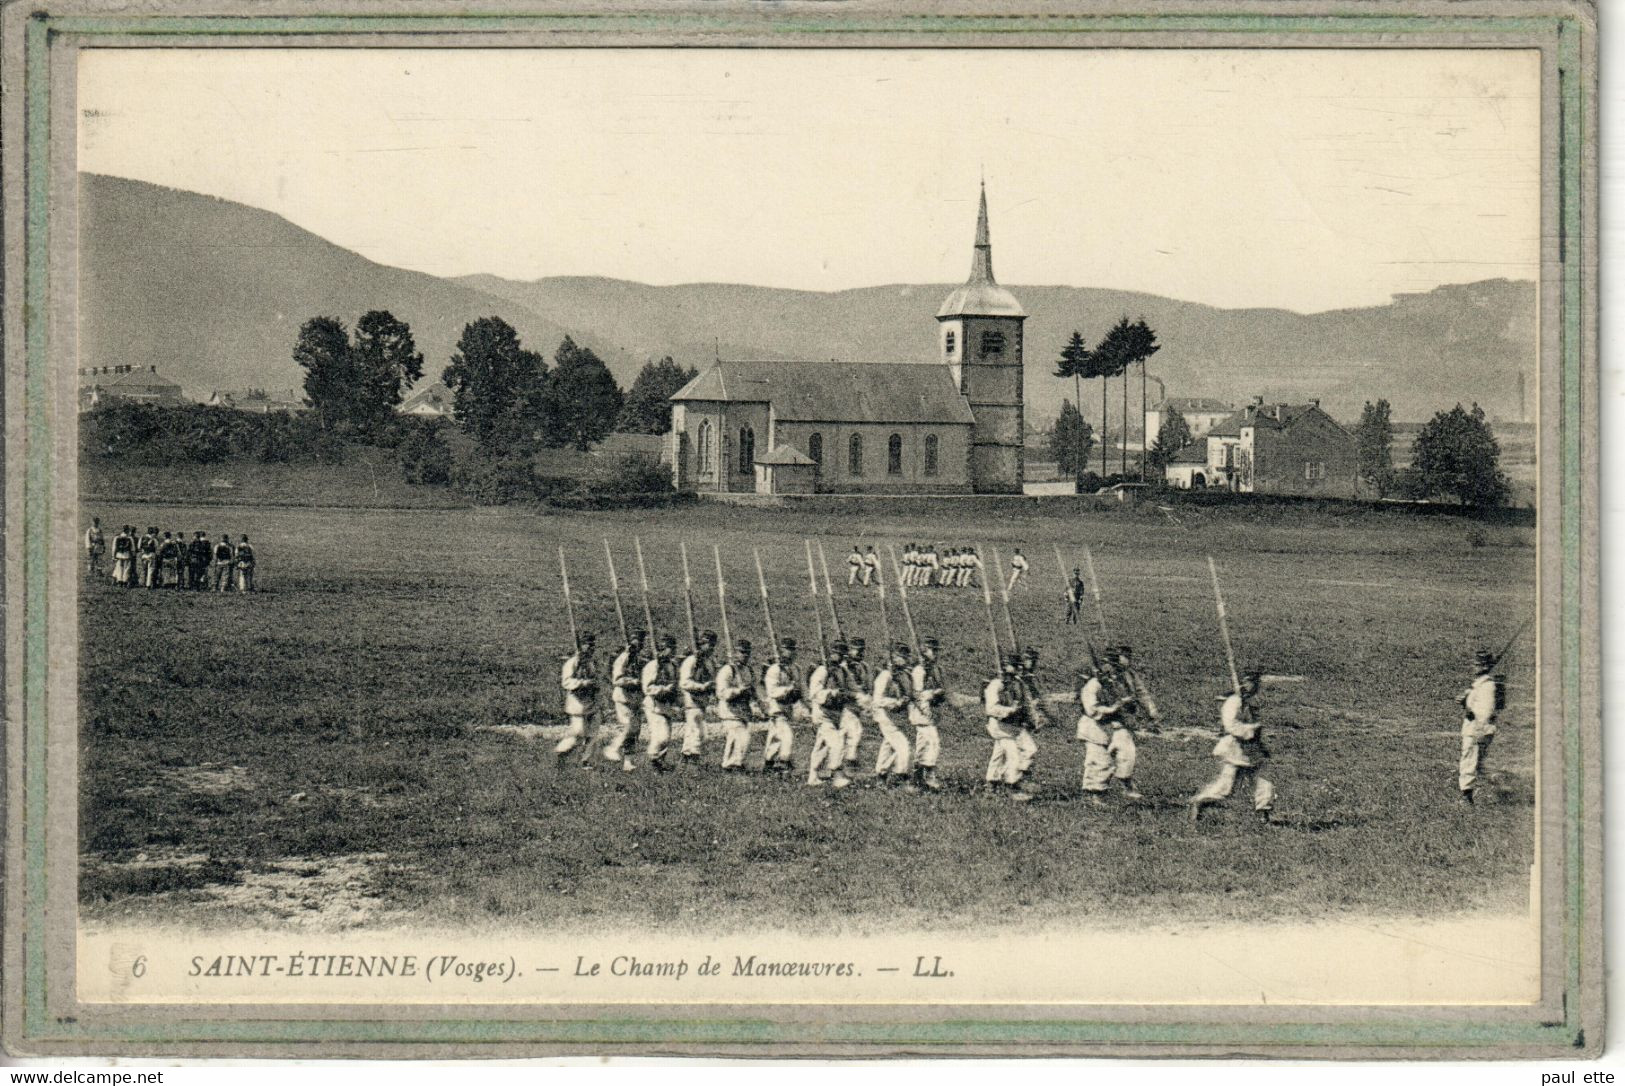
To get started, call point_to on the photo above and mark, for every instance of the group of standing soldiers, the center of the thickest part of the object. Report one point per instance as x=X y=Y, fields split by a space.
x=926 y=565
x=155 y=559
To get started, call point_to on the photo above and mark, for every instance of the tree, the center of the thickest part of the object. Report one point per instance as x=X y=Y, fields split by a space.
x=585 y=400
x=1139 y=344
x=387 y=363
x=1077 y=363
x=647 y=409
x=1173 y=434
x=1457 y=455
x=323 y=351
x=500 y=390
x=1374 y=447
x=1111 y=358
x=1071 y=440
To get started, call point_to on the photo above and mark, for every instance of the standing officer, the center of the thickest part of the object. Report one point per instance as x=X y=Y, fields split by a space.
x=1481 y=702
x=579 y=680
x=1074 y=598
x=1241 y=754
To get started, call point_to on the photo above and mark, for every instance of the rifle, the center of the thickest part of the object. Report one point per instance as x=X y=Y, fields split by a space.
x=1004 y=600
x=992 y=627
x=615 y=591
x=902 y=594
x=1500 y=656
x=767 y=609
x=1224 y=627
x=1094 y=590
x=818 y=614
x=829 y=590
x=722 y=598
x=885 y=622
x=688 y=601
x=569 y=606
x=643 y=579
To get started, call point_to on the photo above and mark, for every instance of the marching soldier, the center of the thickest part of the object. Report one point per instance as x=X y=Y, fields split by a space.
x=1241 y=754
x=95 y=547
x=892 y=691
x=1138 y=693
x=146 y=558
x=826 y=699
x=579 y=680
x=1002 y=701
x=124 y=557
x=659 y=682
x=782 y=686
x=198 y=554
x=922 y=713
x=244 y=560
x=1074 y=598
x=625 y=676
x=225 y=576
x=1481 y=702
x=1034 y=716
x=854 y=566
x=696 y=679
x=858 y=683
x=871 y=567
x=1018 y=568
x=736 y=691
x=1101 y=704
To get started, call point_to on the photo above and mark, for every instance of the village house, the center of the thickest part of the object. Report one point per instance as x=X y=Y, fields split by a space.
x=1276 y=448
x=1200 y=413
x=258 y=400
x=128 y=384
x=432 y=401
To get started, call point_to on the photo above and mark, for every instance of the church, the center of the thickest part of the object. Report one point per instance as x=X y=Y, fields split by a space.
x=953 y=426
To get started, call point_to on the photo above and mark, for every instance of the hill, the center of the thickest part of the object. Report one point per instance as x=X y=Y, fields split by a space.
x=213 y=292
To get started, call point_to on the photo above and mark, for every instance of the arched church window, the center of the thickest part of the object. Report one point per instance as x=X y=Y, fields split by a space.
x=747 y=450
x=894 y=455
x=992 y=343
x=930 y=454
x=854 y=455
x=815 y=449
x=702 y=447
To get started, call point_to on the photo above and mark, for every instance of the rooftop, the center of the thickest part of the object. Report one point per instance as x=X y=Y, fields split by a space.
x=854 y=392
x=981 y=295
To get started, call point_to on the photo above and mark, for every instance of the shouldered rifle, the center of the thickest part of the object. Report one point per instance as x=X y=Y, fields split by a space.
x=902 y=596
x=885 y=620
x=767 y=608
x=688 y=601
x=615 y=591
x=1094 y=590
x=569 y=605
x=722 y=599
x=818 y=614
x=1507 y=648
x=992 y=627
x=1224 y=626
x=829 y=590
x=643 y=581
x=1004 y=601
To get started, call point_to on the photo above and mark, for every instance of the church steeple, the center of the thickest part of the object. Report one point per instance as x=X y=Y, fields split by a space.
x=981 y=296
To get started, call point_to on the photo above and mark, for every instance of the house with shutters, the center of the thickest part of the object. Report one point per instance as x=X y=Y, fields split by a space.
x=1276 y=448
x=954 y=425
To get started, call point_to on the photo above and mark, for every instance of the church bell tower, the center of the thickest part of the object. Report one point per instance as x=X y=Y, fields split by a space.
x=979 y=330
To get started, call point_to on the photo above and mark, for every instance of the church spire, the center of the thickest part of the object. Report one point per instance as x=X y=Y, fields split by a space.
x=981 y=267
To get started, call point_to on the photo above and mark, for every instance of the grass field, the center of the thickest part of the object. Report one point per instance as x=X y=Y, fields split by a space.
x=348 y=747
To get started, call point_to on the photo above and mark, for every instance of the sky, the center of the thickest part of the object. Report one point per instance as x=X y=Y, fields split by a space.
x=1300 y=179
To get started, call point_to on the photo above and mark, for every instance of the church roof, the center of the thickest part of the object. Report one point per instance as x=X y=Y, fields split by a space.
x=981 y=295
x=836 y=391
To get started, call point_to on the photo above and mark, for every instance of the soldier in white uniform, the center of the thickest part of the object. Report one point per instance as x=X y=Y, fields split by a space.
x=661 y=695
x=858 y=682
x=95 y=546
x=826 y=698
x=782 y=686
x=579 y=680
x=892 y=693
x=854 y=566
x=1101 y=702
x=912 y=557
x=1003 y=702
x=1481 y=702
x=973 y=566
x=929 y=689
x=871 y=567
x=696 y=680
x=625 y=686
x=124 y=557
x=1018 y=567
x=1034 y=717
x=736 y=697
x=1241 y=754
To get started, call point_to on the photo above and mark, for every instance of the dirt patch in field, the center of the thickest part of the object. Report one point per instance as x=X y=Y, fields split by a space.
x=209 y=779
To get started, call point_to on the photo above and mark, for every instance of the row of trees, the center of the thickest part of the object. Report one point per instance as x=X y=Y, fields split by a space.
x=1455 y=455
x=505 y=396
x=1123 y=346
